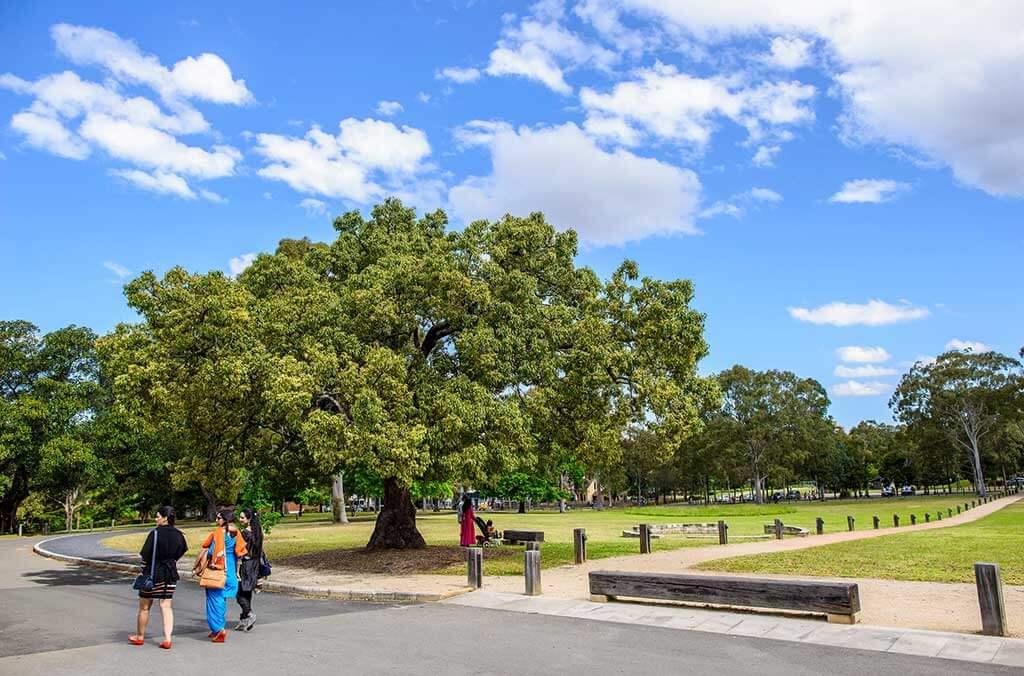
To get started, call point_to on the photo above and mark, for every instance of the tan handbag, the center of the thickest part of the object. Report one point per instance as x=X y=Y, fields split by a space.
x=213 y=578
x=201 y=562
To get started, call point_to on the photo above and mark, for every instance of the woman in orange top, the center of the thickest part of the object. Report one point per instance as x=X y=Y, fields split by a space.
x=224 y=548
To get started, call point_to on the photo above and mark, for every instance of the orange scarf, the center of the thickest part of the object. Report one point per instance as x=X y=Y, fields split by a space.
x=219 y=548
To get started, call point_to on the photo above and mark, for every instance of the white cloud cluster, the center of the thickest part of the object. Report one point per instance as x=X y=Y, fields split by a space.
x=608 y=197
x=856 y=388
x=868 y=371
x=863 y=355
x=666 y=104
x=866 y=357
x=118 y=269
x=389 y=108
x=238 y=264
x=868 y=191
x=788 y=53
x=459 y=75
x=540 y=48
x=366 y=160
x=314 y=207
x=941 y=90
x=967 y=345
x=732 y=206
x=872 y=313
x=71 y=117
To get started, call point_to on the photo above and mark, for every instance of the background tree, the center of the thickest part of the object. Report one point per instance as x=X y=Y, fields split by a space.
x=964 y=394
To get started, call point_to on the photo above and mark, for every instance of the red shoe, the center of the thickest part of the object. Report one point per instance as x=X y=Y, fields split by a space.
x=166 y=645
x=221 y=636
x=136 y=640
x=211 y=634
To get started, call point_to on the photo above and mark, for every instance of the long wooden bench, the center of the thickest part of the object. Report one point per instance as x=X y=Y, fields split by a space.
x=516 y=536
x=840 y=601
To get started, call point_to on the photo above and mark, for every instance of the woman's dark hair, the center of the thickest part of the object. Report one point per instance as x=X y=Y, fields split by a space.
x=467 y=502
x=167 y=512
x=256 y=539
x=229 y=517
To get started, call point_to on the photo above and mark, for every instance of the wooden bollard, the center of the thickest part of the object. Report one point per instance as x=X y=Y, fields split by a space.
x=938 y=515
x=913 y=519
x=778 y=529
x=875 y=520
x=475 y=567
x=531 y=568
x=965 y=507
x=896 y=520
x=579 y=545
x=820 y=525
x=927 y=517
x=645 y=538
x=723 y=533
x=972 y=504
x=949 y=512
x=990 y=598
x=958 y=509
x=849 y=522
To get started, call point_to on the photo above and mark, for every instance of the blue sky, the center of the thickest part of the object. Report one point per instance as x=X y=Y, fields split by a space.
x=825 y=184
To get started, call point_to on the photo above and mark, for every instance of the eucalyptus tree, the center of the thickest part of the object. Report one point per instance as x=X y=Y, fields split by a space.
x=965 y=394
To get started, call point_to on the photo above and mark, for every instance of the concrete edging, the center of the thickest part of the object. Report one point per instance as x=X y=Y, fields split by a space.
x=372 y=596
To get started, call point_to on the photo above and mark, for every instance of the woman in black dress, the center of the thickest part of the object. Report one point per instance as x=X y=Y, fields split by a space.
x=170 y=546
x=249 y=568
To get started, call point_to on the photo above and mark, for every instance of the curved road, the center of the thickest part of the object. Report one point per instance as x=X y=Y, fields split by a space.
x=62 y=619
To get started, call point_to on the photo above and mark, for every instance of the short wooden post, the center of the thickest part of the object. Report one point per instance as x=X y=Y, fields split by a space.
x=896 y=520
x=532 y=570
x=913 y=519
x=820 y=525
x=958 y=509
x=972 y=504
x=579 y=545
x=46 y=528
x=645 y=538
x=723 y=533
x=938 y=515
x=965 y=507
x=475 y=567
x=849 y=522
x=778 y=529
x=927 y=517
x=990 y=598
x=949 y=512
x=875 y=520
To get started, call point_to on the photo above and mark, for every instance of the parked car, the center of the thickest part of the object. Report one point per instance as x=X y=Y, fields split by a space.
x=908 y=490
x=793 y=495
x=888 y=491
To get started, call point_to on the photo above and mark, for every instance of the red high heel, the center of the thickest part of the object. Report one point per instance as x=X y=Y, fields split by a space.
x=221 y=636
x=136 y=640
x=166 y=645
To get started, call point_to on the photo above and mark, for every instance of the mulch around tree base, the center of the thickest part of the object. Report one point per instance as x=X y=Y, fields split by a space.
x=391 y=561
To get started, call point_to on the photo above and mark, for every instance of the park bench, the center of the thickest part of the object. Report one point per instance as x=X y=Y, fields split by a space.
x=839 y=601
x=514 y=537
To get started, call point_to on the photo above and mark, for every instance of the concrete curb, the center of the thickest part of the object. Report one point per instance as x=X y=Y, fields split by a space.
x=372 y=596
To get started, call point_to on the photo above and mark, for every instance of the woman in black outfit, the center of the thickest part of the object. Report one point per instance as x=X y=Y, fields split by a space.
x=249 y=568
x=170 y=546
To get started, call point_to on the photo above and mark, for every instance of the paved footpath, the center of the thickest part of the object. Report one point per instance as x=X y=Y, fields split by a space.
x=57 y=619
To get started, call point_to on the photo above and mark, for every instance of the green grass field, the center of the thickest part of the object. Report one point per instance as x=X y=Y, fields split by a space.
x=604 y=528
x=944 y=555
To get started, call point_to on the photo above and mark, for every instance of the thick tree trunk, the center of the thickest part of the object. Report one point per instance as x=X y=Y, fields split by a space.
x=396 y=523
x=522 y=506
x=338 y=499
x=9 y=504
x=211 y=503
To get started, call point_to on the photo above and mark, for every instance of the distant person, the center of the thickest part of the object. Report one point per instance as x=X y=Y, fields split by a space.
x=467 y=535
x=225 y=547
x=249 y=569
x=163 y=562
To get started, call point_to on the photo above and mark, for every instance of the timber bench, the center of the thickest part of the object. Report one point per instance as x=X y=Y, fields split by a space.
x=839 y=601
x=514 y=537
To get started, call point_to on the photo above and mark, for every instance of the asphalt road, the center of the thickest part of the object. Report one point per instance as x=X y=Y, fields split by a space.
x=60 y=619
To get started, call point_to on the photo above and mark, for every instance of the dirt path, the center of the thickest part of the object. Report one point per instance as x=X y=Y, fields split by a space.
x=925 y=605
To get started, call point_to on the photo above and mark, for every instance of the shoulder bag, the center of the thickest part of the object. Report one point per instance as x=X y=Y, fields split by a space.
x=145 y=582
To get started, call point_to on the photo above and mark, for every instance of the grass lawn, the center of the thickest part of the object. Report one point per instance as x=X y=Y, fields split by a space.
x=604 y=528
x=945 y=555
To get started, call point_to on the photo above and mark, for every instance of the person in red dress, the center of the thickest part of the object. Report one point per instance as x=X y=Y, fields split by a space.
x=467 y=533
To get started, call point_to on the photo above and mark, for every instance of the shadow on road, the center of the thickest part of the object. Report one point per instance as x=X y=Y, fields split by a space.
x=77 y=576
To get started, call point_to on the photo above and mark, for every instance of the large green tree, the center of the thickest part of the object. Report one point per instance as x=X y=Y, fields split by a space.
x=965 y=394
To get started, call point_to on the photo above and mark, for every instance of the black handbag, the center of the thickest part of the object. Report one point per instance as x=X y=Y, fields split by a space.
x=264 y=566
x=143 y=582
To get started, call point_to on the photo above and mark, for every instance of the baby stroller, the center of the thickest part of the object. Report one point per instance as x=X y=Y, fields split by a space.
x=489 y=537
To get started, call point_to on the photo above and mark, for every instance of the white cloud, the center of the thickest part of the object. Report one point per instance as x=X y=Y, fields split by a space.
x=721 y=209
x=789 y=53
x=349 y=165
x=870 y=191
x=607 y=197
x=238 y=264
x=267 y=196
x=70 y=117
x=161 y=182
x=854 y=388
x=943 y=89
x=118 y=269
x=205 y=77
x=872 y=313
x=764 y=195
x=314 y=207
x=682 y=108
x=967 y=345
x=863 y=355
x=211 y=196
x=614 y=129
x=864 y=371
x=540 y=48
x=389 y=108
x=480 y=132
x=423 y=97
x=605 y=17
x=765 y=156
x=2 y=156
x=460 y=75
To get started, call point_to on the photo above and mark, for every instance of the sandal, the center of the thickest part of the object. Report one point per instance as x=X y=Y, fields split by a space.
x=166 y=645
x=221 y=636
x=136 y=640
